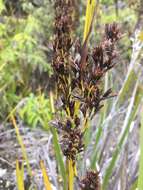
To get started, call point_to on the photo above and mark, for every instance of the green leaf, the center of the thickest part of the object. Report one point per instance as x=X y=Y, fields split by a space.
x=59 y=156
x=57 y=148
x=140 y=177
x=124 y=93
x=20 y=141
x=2 y=7
x=131 y=113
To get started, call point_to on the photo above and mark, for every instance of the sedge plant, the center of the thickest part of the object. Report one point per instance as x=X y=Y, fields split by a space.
x=78 y=73
x=77 y=77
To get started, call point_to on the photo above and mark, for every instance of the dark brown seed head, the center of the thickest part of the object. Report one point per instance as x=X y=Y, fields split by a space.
x=91 y=181
x=72 y=143
x=112 y=32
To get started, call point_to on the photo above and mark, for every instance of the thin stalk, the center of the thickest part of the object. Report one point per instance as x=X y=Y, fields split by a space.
x=20 y=175
x=70 y=170
x=57 y=147
x=45 y=176
x=140 y=177
x=20 y=141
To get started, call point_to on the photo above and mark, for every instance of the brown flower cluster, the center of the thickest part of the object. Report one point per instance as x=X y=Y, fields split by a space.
x=83 y=84
x=72 y=141
x=78 y=74
x=91 y=181
x=63 y=31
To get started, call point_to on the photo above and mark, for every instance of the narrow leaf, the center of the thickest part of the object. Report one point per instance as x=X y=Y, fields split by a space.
x=57 y=147
x=59 y=156
x=140 y=178
x=20 y=141
x=89 y=16
x=20 y=175
x=70 y=173
x=90 y=12
x=132 y=110
x=45 y=176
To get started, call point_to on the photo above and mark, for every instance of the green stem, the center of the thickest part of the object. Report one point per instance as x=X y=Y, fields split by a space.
x=57 y=147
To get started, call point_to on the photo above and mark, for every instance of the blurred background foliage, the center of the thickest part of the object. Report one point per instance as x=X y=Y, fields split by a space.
x=25 y=31
x=36 y=111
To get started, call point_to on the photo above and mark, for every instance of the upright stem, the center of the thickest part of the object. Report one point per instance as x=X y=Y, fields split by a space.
x=57 y=148
x=62 y=43
x=70 y=174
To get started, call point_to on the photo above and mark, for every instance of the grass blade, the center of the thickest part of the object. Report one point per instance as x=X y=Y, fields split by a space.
x=140 y=178
x=132 y=109
x=45 y=176
x=59 y=156
x=134 y=185
x=20 y=175
x=70 y=174
x=20 y=141
x=127 y=86
x=2 y=7
x=57 y=147
x=89 y=16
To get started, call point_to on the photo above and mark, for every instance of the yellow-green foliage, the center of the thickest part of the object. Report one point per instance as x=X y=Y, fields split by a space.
x=36 y=111
x=22 y=52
